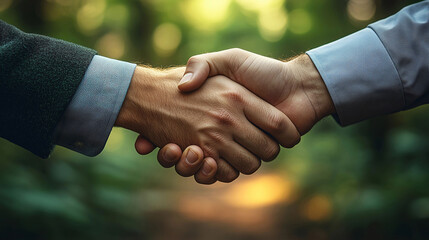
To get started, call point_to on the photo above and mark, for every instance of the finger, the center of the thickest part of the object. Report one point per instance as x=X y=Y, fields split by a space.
x=201 y=67
x=207 y=173
x=273 y=121
x=143 y=146
x=169 y=155
x=241 y=159
x=190 y=162
x=257 y=142
x=225 y=172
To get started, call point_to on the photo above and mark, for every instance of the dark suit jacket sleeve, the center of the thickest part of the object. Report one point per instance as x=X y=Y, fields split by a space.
x=38 y=78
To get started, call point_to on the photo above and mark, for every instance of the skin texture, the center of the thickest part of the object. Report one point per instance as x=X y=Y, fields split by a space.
x=233 y=128
x=294 y=87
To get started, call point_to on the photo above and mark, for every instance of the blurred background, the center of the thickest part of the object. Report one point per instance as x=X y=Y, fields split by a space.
x=366 y=181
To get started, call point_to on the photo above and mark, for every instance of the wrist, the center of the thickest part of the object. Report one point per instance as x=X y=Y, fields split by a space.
x=126 y=117
x=313 y=86
x=148 y=90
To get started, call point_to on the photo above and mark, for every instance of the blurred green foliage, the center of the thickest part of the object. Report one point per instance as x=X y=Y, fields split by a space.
x=366 y=181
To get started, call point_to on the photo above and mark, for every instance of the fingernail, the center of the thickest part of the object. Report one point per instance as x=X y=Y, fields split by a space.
x=191 y=157
x=207 y=169
x=186 y=78
x=169 y=155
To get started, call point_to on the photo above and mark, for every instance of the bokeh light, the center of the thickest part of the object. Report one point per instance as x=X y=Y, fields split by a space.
x=361 y=10
x=91 y=15
x=5 y=4
x=271 y=15
x=111 y=45
x=65 y=3
x=206 y=15
x=166 y=39
x=272 y=24
x=420 y=208
x=318 y=208
x=116 y=16
x=260 y=5
x=261 y=191
x=300 y=21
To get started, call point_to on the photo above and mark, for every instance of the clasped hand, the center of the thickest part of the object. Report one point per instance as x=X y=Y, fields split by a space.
x=245 y=106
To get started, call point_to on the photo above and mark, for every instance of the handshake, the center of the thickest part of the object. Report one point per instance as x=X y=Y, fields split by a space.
x=230 y=110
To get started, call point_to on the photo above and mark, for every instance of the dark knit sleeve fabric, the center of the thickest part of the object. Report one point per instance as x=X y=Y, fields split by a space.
x=38 y=78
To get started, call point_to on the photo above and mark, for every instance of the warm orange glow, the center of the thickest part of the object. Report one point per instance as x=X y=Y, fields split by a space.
x=318 y=208
x=260 y=191
x=210 y=209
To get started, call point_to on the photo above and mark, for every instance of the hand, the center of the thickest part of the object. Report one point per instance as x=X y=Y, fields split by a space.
x=295 y=87
x=221 y=118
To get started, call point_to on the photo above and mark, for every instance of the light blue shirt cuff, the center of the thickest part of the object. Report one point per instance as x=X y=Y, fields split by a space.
x=360 y=76
x=91 y=114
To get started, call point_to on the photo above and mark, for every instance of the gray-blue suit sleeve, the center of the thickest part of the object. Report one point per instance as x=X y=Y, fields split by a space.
x=406 y=38
x=379 y=70
x=90 y=116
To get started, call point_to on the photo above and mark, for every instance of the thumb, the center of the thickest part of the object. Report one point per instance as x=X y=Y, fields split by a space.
x=196 y=73
x=201 y=67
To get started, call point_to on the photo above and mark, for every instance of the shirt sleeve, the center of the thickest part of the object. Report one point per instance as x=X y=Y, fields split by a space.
x=90 y=116
x=381 y=69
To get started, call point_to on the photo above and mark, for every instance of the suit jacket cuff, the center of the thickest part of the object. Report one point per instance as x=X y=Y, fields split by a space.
x=90 y=116
x=360 y=76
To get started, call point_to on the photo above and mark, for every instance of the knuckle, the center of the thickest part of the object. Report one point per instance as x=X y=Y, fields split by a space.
x=251 y=167
x=244 y=163
x=209 y=151
x=215 y=137
x=277 y=122
x=236 y=50
x=200 y=180
x=271 y=152
x=227 y=178
x=222 y=117
x=298 y=140
x=164 y=162
x=194 y=59
x=234 y=97
x=294 y=142
x=183 y=173
x=226 y=173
